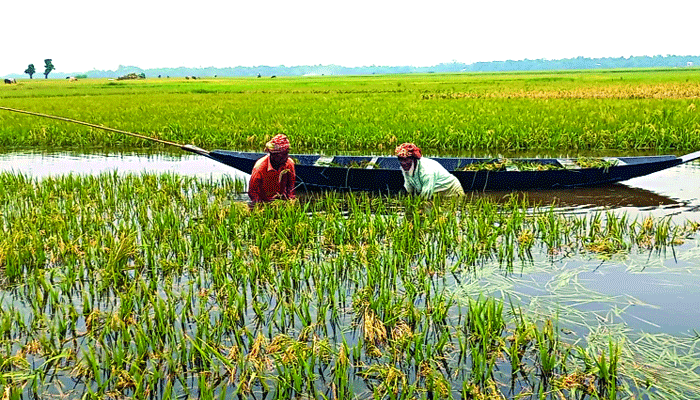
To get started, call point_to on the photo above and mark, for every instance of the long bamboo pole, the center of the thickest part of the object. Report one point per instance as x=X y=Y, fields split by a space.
x=186 y=147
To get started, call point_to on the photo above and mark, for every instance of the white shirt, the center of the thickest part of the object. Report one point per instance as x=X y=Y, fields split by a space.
x=429 y=177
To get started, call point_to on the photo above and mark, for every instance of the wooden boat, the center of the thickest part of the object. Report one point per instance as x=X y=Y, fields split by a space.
x=383 y=174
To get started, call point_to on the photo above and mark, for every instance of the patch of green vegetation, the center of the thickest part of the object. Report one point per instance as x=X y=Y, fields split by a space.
x=353 y=164
x=497 y=113
x=589 y=162
x=497 y=165
x=333 y=296
x=505 y=164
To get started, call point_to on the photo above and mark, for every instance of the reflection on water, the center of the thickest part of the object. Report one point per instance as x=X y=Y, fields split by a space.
x=41 y=164
x=613 y=196
x=648 y=291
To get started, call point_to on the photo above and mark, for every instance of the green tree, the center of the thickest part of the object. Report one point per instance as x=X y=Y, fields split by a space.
x=30 y=70
x=48 y=67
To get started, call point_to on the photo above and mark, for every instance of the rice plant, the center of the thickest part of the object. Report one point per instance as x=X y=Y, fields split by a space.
x=161 y=286
x=559 y=112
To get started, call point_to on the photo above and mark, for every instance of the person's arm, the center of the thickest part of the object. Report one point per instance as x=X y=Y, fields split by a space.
x=407 y=186
x=255 y=186
x=428 y=180
x=290 y=178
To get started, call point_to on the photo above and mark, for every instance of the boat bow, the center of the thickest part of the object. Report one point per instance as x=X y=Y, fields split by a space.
x=690 y=157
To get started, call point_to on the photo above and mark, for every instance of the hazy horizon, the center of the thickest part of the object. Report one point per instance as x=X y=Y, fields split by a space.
x=81 y=35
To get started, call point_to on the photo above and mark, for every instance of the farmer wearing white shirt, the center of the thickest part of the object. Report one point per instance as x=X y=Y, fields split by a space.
x=424 y=176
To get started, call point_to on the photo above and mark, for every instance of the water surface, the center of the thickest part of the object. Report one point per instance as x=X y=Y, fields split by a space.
x=640 y=293
x=43 y=163
x=671 y=192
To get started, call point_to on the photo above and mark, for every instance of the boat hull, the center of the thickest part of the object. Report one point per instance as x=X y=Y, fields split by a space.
x=315 y=172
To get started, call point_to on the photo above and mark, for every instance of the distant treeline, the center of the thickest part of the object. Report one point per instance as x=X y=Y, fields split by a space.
x=491 y=66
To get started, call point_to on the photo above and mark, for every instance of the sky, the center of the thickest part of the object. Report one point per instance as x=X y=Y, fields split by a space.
x=82 y=35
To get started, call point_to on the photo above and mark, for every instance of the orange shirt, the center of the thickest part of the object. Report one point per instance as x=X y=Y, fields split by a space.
x=267 y=183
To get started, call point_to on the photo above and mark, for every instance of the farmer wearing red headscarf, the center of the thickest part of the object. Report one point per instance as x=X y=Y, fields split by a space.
x=424 y=176
x=273 y=176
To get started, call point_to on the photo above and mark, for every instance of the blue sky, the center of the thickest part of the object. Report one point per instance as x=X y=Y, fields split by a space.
x=81 y=35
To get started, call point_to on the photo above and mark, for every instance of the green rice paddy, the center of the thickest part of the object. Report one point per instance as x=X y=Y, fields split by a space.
x=162 y=287
x=455 y=113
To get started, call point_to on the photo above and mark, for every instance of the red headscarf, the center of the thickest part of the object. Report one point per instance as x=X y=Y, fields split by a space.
x=277 y=144
x=408 y=150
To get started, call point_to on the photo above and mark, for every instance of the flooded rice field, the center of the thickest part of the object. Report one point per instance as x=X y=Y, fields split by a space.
x=647 y=296
x=673 y=192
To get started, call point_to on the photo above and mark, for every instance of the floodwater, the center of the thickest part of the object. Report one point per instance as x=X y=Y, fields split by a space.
x=639 y=294
x=41 y=163
x=674 y=192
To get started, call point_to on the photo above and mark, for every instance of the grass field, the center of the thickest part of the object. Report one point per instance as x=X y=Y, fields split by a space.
x=653 y=110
